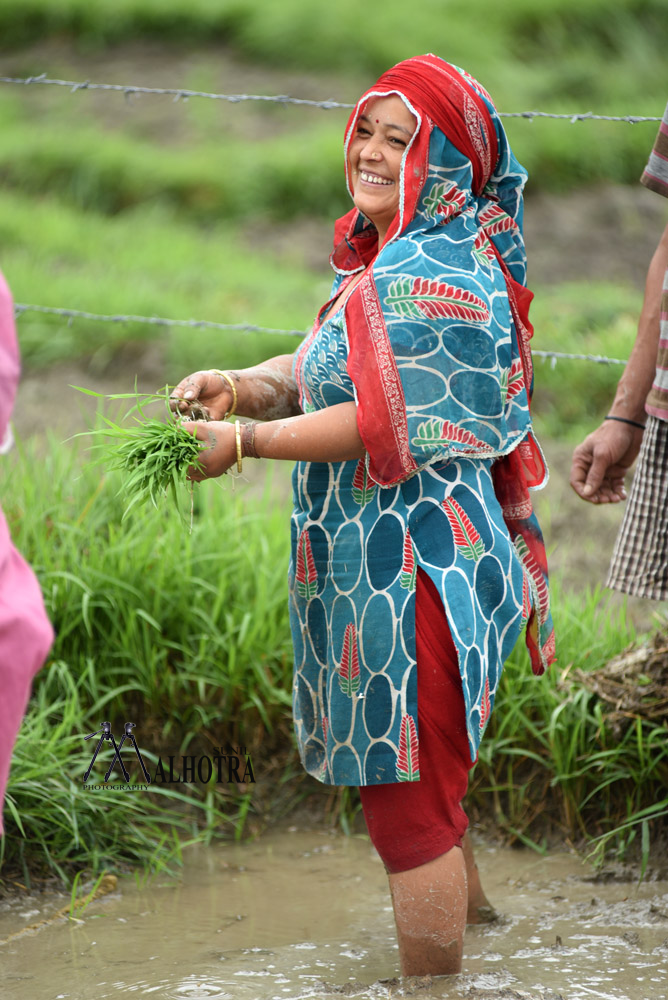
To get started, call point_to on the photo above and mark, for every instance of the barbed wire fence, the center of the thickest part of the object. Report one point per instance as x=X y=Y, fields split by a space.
x=184 y=94
x=181 y=93
x=202 y=324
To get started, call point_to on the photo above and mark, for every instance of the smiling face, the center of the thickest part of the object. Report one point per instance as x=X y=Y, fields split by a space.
x=382 y=132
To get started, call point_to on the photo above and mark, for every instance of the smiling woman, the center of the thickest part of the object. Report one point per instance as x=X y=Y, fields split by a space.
x=375 y=156
x=417 y=560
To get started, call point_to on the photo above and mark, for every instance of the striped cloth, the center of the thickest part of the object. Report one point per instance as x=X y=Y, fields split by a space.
x=655 y=177
x=640 y=561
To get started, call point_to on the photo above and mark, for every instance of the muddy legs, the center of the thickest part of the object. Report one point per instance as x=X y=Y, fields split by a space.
x=430 y=905
x=479 y=910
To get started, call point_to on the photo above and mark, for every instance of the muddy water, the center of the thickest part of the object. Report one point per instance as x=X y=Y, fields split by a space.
x=307 y=914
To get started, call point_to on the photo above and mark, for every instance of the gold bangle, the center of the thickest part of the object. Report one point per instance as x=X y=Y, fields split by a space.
x=235 y=398
x=237 y=435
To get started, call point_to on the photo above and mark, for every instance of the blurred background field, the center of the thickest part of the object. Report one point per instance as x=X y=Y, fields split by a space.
x=208 y=210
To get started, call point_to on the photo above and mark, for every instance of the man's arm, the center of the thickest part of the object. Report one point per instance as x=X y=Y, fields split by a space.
x=601 y=462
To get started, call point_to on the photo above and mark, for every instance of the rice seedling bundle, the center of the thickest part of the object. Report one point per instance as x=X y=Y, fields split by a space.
x=153 y=456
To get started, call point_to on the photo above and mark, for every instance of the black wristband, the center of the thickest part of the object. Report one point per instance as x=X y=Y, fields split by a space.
x=623 y=420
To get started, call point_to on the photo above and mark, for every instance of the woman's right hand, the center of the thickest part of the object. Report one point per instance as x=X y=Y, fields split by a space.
x=202 y=395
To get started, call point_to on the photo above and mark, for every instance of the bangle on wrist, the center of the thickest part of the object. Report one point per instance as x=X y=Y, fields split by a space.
x=623 y=420
x=237 y=437
x=235 y=398
x=248 y=449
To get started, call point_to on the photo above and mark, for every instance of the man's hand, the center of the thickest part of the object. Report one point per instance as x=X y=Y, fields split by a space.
x=601 y=462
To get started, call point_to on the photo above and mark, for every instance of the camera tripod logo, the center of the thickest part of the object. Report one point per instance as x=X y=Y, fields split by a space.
x=106 y=734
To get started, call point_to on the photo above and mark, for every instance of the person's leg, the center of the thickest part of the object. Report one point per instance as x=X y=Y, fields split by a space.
x=430 y=913
x=479 y=910
x=418 y=827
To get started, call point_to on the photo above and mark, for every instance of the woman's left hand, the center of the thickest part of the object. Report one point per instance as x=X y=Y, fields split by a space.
x=221 y=453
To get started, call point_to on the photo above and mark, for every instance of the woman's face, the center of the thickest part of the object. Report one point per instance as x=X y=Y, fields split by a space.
x=376 y=148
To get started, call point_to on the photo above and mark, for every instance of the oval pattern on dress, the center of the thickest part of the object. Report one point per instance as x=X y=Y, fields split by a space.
x=305 y=703
x=472 y=348
x=347 y=557
x=377 y=632
x=316 y=623
x=346 y=762
x=430 y=530
x=490 y=585
x=380 y=763
x=384 y=551
x=378 y=706
x=482 y=397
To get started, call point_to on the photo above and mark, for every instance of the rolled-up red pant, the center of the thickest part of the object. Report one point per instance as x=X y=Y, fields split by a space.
x=411 y=823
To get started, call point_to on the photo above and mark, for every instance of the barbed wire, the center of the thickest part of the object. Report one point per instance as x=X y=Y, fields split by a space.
x=21 y=307
x=599 y=359
x=181 y=93
x=201 y=324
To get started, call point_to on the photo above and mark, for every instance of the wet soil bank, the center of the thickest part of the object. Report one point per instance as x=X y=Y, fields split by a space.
x=303 y=913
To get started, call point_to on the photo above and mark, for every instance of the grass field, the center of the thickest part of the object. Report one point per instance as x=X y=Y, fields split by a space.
x=215 y=211
x=188 y=635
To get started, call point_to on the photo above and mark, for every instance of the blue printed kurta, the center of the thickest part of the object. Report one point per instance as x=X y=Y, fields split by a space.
x=355 y=551
x=432 y=345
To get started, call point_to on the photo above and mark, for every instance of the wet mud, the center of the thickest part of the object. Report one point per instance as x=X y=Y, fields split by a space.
x=306 y=914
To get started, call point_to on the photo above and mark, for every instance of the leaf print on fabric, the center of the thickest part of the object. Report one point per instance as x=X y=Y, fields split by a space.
x=413 y=298
x=515 y=378
x=494 y=220
x=466 y=537
x=482 y=248
x=363 y=488
x=485 y=706
x=511 y=381
x=349 y=668
x=445 y=200
x=408 y=565
x=537 y=578
x=432 y=432
x=408 y=765
x=306 y=574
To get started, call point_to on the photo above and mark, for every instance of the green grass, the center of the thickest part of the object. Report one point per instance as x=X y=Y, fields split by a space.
x=54 y=827
x=187 y=634
x=207 y=174
x=552 y=763
x=596 y=318
x=162 y=209
x=212 y=161
x=147 y=263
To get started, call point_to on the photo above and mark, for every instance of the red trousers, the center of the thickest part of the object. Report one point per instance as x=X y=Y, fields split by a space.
x=411 y=823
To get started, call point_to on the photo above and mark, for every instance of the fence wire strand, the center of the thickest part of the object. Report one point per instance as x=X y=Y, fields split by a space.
x=20 y=308
x=200 y=324
x=181 y=93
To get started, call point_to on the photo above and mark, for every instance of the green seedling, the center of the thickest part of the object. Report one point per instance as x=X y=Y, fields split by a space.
x=153 y=456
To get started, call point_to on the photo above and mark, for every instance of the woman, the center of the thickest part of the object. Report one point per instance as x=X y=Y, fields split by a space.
x=25 y=631
x=416 y=557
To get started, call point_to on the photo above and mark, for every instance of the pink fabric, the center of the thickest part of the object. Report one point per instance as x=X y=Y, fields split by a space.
x=25 y=631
